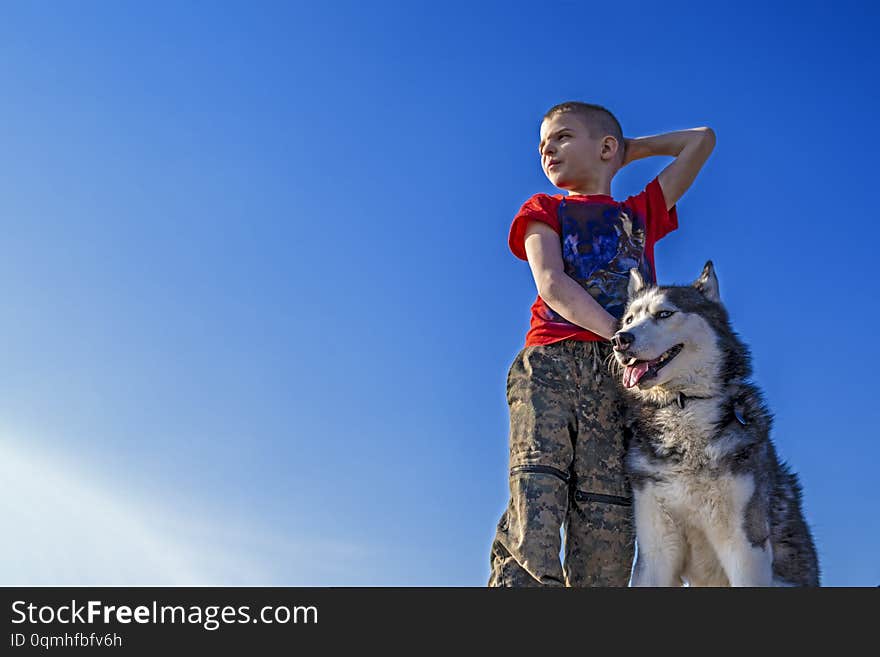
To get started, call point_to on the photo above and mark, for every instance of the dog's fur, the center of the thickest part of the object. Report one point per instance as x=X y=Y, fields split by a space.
x=713 y=504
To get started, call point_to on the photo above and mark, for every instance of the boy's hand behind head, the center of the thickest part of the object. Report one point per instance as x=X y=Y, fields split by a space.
x=627 y=152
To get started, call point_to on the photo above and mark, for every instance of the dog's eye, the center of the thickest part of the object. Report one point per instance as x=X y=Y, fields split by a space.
x=663 y=314
x=628 y=320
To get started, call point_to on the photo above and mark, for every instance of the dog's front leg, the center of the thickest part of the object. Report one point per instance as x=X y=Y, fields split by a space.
x=742 y=542
x=660 y=546
x=747 y=564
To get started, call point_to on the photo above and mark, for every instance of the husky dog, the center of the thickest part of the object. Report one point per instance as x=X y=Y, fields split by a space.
x=713 y=504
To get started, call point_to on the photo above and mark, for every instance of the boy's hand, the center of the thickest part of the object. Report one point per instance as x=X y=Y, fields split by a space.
x=629 y=149
x=690 y=148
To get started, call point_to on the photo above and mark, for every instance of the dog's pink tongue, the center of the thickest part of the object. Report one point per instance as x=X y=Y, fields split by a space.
x=634 y=373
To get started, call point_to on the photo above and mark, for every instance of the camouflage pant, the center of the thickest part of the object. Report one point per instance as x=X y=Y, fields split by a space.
x=567 y=441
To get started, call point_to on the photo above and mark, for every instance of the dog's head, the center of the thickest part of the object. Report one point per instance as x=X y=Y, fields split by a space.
x=677 y=339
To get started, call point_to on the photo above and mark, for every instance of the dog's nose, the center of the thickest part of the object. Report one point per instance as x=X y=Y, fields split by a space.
x=622 y=340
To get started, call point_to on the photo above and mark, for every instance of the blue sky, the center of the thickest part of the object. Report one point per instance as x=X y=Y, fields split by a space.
x=258 y=302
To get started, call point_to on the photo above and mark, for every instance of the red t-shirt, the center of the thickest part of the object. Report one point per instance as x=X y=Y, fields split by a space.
x=601 y=240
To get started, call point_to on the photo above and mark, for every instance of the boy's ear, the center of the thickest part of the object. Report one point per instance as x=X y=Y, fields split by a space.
x=636 y=282
x=610 y=148
x=707 y=283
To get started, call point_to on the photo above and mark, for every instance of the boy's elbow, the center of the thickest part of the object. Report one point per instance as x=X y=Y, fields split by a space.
x=549 y=286
x=701 y=144
x=707 y=134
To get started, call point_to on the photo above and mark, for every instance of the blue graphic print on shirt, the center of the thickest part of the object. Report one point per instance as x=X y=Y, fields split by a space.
x=601 y=242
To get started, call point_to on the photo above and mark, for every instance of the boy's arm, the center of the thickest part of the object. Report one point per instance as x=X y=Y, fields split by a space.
x=559 y=290
x=690 y=148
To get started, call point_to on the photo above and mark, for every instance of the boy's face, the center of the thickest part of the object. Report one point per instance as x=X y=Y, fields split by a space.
x=569 y=155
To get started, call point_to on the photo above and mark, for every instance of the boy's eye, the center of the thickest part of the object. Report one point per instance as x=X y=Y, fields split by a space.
x=663 y=314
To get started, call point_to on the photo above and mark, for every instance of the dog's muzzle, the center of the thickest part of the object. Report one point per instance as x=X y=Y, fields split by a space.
x=622 y=340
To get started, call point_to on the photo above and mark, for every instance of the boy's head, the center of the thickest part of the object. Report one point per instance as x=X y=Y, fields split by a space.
x=581 y=144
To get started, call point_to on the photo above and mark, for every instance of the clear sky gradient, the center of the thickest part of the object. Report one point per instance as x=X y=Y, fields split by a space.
x=258 y=304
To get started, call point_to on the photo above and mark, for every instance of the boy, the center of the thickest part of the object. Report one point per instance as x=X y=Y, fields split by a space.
x=567 y=433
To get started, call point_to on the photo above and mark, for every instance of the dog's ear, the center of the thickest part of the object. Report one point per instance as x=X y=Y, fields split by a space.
x=707 y=283
x=636 y=282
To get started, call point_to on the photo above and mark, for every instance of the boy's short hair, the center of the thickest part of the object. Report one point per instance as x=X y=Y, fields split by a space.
x=597 y=119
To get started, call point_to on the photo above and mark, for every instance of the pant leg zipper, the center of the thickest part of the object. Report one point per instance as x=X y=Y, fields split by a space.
x=540 y=469
x=581 y=496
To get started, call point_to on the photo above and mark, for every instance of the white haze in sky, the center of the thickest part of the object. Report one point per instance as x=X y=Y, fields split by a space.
x=63 y=527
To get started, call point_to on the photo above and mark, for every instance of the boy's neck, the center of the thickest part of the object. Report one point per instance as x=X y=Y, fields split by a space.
x=588 y=187
x=588 y=191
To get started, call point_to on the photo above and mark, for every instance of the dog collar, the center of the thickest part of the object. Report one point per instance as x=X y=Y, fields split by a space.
x=682 y=398
x=738 y=407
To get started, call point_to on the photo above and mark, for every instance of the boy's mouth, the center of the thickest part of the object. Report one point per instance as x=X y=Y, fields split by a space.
x=554 y=163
